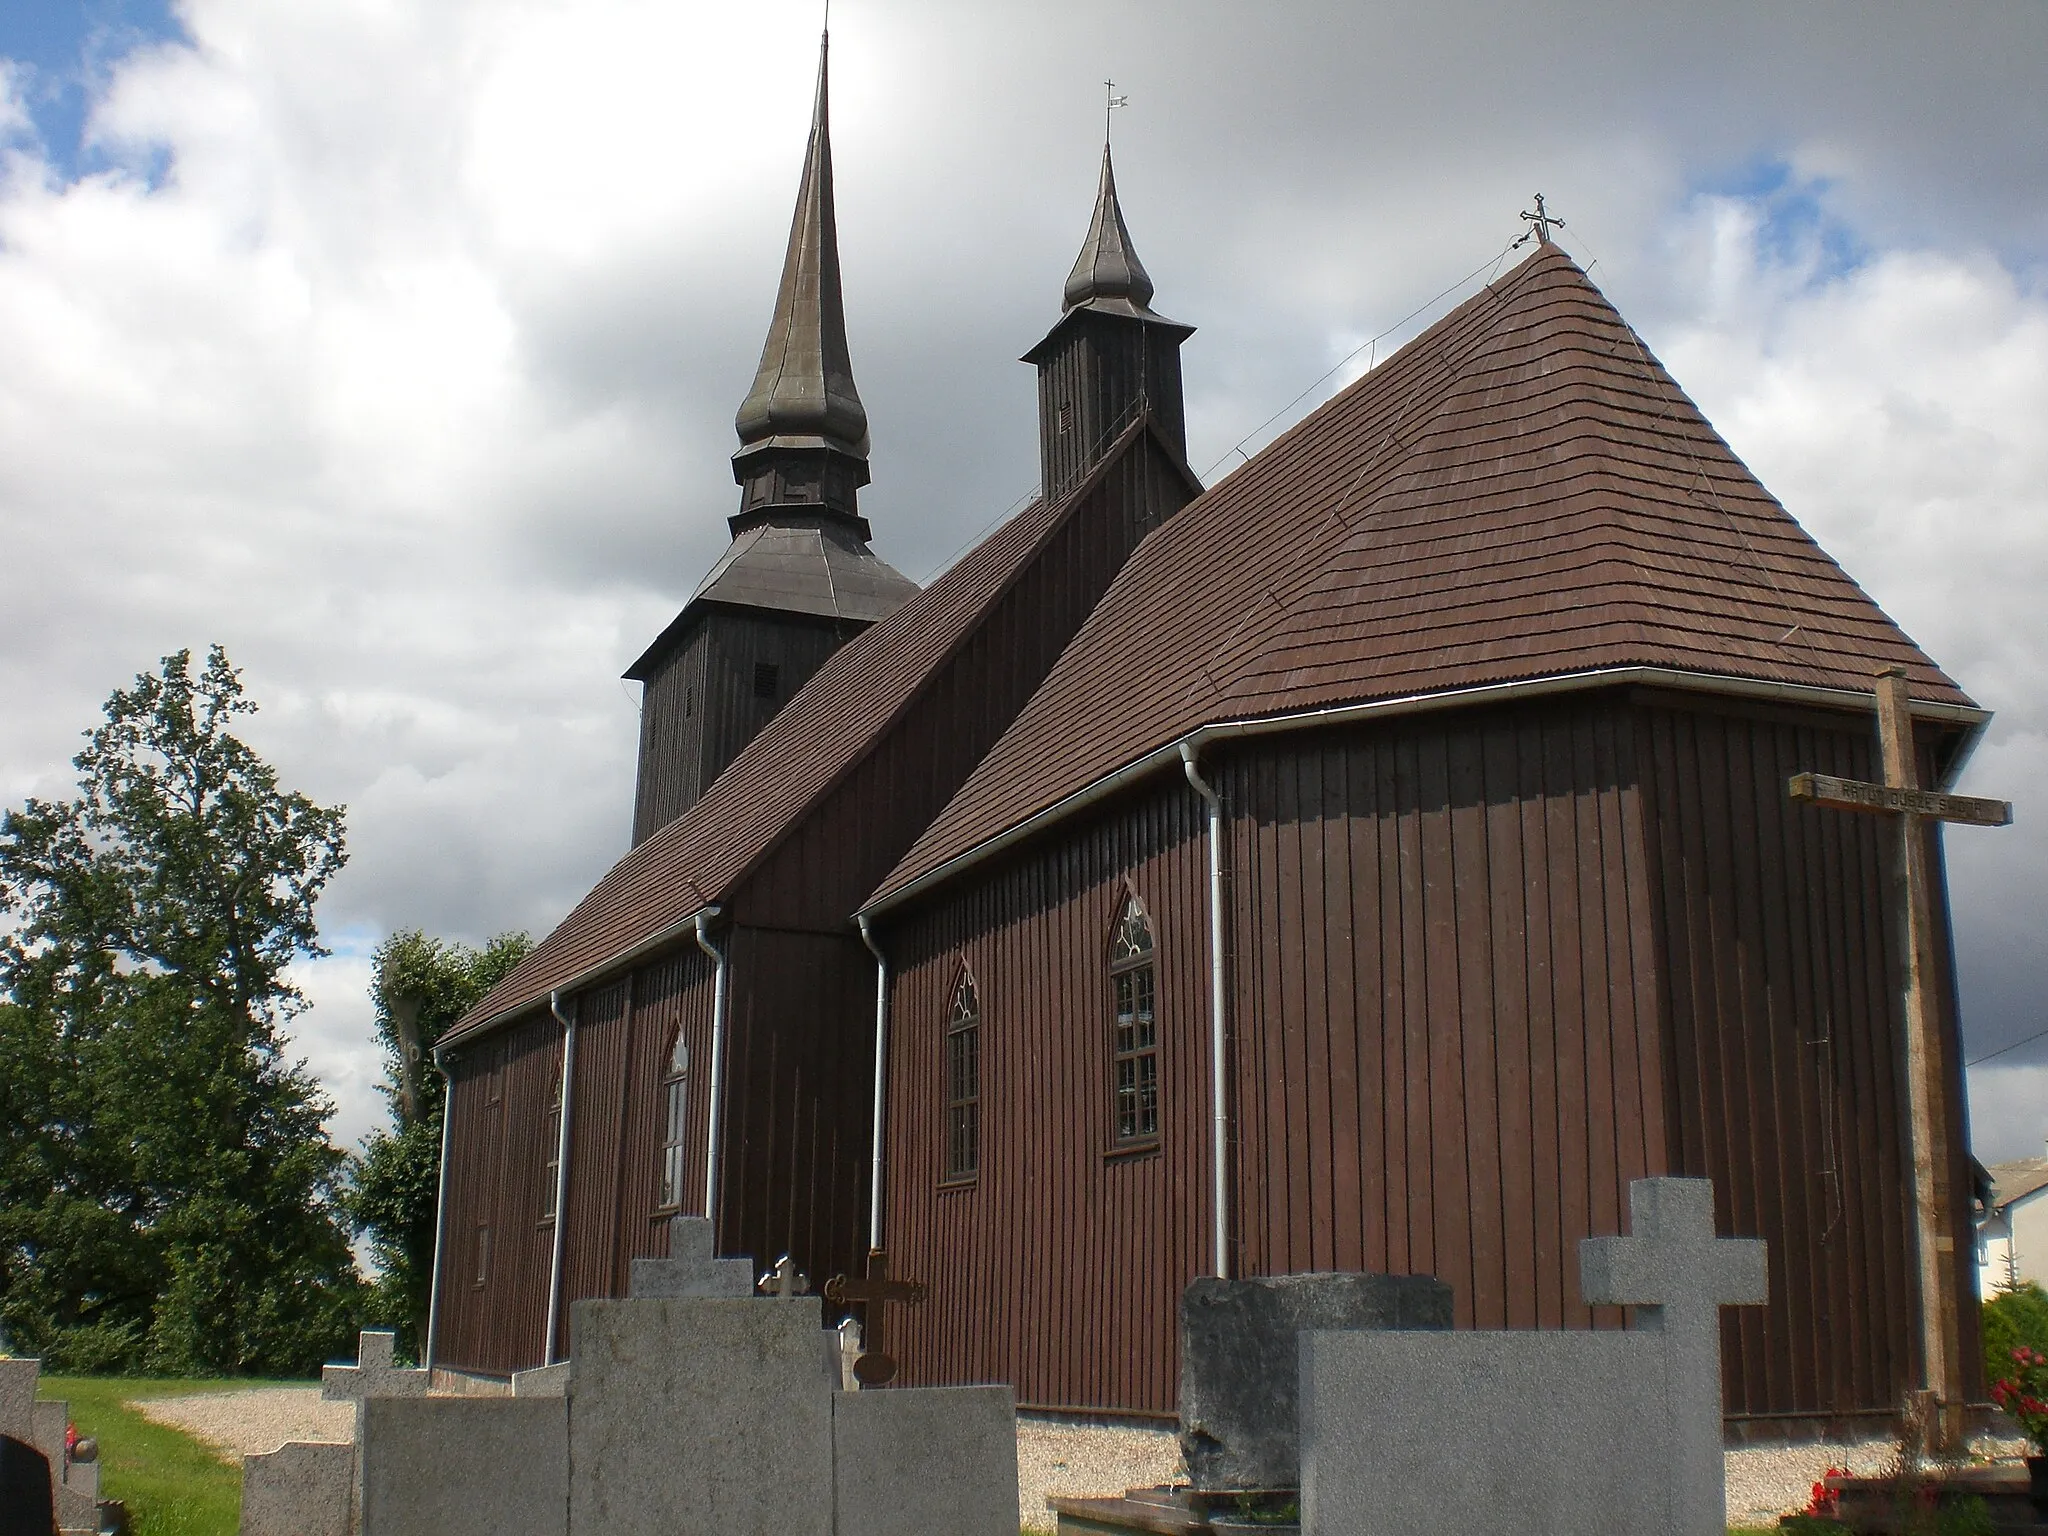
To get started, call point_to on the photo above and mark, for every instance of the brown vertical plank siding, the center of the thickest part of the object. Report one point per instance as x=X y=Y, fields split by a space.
x=1060 y=1266
x=1784 y=1047
x=1485 y=970
x=498 y=1325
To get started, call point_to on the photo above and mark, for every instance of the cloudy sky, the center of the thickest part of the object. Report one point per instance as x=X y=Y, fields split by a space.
x=396 y=345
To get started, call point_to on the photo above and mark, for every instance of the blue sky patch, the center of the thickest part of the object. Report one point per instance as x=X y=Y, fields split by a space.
x=1796 y=227
x=67 y=48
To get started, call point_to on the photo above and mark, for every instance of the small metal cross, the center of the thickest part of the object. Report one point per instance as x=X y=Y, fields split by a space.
x=784 y=1280
x=1110 y=102
x=1541 y=223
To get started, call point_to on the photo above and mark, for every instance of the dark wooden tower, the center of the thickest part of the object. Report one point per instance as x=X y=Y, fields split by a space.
x=1110 y=359
x=799 y=579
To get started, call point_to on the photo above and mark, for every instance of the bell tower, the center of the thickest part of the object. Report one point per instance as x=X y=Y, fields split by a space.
x=798 y=580
x=1110 y=358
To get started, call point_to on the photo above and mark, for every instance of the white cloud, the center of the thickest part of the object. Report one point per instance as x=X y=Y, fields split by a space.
x=398 y=349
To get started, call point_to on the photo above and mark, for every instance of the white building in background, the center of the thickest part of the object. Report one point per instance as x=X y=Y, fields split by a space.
x=2012 y=1236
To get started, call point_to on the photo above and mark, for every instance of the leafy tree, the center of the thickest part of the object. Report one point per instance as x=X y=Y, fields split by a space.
x=395 y=1182
x=167 y=1197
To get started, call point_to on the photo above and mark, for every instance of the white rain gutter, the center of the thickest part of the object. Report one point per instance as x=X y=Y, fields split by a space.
x=720 y=1004
x=1218 y=1079
x=582 y=980
x=568 y=1023
x=867 y=937
x=1848 y=699
x=440 y=1216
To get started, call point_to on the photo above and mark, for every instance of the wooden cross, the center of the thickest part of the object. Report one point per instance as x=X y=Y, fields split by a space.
x=877 y=1289
x=1901 y=798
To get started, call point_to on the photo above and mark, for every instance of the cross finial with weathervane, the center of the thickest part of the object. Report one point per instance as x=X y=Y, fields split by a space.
x=1110 y=102
x=1540 y=223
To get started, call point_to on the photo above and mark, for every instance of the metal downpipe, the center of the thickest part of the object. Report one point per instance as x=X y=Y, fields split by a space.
x=568 y=1023
x=867 y=937
x=1218 y=1078
x=719 y=1004
x=440 y=1219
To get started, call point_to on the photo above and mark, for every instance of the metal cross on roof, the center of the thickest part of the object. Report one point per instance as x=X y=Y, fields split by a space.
x=1541 y=223
x=1110 y=102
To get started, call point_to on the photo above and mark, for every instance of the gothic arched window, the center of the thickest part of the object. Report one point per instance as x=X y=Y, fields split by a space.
x=963 y=1081
x=675 y=1096
x=551 y=1175
x=1135 y=1032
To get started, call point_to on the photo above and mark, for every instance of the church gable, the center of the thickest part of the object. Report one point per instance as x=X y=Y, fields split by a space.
x=1522 y=492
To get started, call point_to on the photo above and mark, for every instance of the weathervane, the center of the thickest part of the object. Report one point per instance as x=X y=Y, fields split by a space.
x=1110 y=102
x=1541 y=223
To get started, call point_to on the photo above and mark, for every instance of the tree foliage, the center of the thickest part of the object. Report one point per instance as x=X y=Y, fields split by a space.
x=395 y=1182
x=2012 y=1318
x=168 y=1199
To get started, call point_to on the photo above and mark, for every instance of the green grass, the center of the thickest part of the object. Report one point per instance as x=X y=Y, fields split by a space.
x=171 y=1484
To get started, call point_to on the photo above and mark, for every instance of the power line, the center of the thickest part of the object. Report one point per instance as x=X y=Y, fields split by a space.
x=2027 y=1040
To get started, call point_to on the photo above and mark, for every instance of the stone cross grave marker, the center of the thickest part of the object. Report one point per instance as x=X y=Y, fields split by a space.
x=373 y=1374
x=1911 y=901
x=692 y=1267
x=1678 y=1275
x=785 y=1280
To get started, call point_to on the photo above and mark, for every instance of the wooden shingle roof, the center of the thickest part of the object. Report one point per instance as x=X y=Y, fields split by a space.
x=1521 y=492
x=812 y=743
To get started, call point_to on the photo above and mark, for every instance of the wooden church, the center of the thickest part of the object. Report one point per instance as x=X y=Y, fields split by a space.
x=1373 y=861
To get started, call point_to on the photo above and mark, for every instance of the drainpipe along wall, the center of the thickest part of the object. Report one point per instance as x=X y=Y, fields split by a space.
x=1218 y=1078
x=720 y=1002
x=440 y=1218
x=867 y=937
x=568 y=1023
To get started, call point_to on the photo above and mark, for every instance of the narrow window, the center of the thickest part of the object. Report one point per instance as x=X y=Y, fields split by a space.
x=1135 y=1037
x=551 y=1175
x=767 y=678
x=674 y=1096
x=963 y=1082
x=483 y=1253
x=494 y=1077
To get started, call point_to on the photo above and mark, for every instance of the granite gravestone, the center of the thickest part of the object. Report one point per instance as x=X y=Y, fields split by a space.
x=465 y=1466
x=1542 y=1434
x=1239 y=1363
x=692 y=1267
x=303 y=1488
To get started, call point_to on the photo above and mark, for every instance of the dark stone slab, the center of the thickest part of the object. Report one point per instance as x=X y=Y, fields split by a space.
x=1239 y=1379
x=28 y=1503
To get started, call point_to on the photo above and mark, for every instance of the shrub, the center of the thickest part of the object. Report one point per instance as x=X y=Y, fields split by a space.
x=2012 y=1320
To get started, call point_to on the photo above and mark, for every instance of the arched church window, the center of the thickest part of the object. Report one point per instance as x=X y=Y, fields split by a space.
x=674 y=1092
x=1135 y=1031
x=552 y=1174
x=963 y=1081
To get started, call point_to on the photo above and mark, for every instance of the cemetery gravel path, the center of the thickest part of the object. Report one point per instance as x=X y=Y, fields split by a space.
x=251 y=1423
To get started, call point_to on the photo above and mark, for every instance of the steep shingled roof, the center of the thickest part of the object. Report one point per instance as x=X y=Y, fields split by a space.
x=1520 y=492
x=832 y=723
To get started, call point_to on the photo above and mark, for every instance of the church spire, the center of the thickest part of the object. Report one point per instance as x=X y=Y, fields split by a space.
x=803 y=431
x=1107 y=274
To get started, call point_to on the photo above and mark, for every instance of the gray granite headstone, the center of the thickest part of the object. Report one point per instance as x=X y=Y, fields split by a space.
x=466 y=1466
x=373 y=1375
x=701 y=1415
x=1570 y=1433
x=692 y=1267
x=909 y=1462
x=1239 y=1362
x=300 y=1489
x=18 y=1398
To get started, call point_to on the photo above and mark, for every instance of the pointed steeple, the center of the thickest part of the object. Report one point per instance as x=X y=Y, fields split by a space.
x=1110 y=357
x=1107 y=274
x=803 y=431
